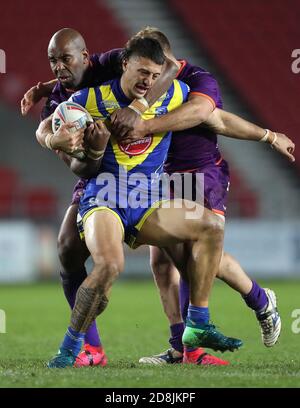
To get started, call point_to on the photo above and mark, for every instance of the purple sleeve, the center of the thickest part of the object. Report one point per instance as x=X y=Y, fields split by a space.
x=48 y=108
x=202 y=82
x=58 y=95
x=106 y=66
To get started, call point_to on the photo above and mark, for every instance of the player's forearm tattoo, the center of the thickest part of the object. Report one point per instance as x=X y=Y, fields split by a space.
x=89 y=304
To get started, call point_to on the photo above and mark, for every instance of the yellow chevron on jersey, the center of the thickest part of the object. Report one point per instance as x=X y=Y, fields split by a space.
x=106 y=95
x=103 y=100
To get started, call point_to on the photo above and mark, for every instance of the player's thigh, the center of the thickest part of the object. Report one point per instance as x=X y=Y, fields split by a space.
x=69 y=241
x=104 y=238
x=68 y=226
x=166 y=226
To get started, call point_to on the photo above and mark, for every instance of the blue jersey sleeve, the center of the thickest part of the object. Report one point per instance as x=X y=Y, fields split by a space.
x=185 y=90
x=80 y=97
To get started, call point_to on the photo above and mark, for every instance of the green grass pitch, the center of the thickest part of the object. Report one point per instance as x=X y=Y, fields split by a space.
x=134 y=326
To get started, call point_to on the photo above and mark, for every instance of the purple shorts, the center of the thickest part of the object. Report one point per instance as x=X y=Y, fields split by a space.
x=78 y=191
x=216 y=185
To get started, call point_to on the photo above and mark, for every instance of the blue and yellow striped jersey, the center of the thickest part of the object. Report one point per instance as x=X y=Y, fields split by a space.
x=146 y=155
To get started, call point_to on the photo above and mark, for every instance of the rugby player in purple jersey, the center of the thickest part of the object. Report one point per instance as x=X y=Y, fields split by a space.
x=74 y=69
x=195 y=150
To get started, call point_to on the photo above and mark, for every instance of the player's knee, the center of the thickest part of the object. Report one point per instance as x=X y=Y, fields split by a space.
x=214 y=228
x=161 y=268
x=106 y=269
x=71 y=278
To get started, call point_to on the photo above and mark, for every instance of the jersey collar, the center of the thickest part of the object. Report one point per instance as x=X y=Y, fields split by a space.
x=183 y=64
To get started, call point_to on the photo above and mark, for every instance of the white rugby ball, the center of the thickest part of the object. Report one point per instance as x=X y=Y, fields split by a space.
x=71 y=112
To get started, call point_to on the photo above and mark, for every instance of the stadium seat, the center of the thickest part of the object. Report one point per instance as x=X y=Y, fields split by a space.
x=252 y=43
x=40 y=203
x=9 y=192
x=242 y=201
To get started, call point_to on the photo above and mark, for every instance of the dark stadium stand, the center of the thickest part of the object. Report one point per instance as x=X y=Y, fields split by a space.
x=252 y=43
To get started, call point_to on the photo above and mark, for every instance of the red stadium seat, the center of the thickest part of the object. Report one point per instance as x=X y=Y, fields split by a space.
x=9 y=192
x=242 y=201
x=252 y=43
x=40 y=203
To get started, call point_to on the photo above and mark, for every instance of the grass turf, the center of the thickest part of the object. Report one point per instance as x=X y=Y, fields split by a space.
x=134 y=326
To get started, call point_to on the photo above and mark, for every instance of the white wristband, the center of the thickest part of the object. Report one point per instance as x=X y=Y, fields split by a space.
x=265 y=137
x=48 y=140
x=274 y=140
x=95 y=154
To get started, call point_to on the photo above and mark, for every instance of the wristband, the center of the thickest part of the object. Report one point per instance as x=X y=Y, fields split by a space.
x=274 y=140
x=144 y=102
x=48 y=140
x=135 y=109
x=95 y=154
x=265 y=138
x=139 y=105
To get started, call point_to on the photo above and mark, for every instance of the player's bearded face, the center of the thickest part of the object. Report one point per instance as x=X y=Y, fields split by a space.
x=68 y=66
x=139 y=75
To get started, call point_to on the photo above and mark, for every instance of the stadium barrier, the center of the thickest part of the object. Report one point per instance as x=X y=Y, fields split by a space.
x=265 y=249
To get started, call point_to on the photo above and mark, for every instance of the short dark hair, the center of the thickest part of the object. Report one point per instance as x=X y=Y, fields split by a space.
x=146 y=48
x=154 y=32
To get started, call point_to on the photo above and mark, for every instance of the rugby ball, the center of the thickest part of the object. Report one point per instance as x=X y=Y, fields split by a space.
x=71 y=112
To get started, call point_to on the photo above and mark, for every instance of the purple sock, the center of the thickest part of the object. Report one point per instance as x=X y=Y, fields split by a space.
x=256 y=298
x=70 y=287
x=176 y=336
x=184 y=298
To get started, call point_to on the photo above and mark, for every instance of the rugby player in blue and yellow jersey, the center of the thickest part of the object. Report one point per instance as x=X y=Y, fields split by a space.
x=109 y=214
x=75 y=69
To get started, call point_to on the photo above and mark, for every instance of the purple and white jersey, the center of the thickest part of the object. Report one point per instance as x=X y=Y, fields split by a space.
x=195 y=147
x=103 y=67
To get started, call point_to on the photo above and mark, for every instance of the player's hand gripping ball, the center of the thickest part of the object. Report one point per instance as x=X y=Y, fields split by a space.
x=71 y=112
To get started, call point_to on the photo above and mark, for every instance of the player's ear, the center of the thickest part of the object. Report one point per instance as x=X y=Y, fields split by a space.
x=124 y=64
x=86 y=56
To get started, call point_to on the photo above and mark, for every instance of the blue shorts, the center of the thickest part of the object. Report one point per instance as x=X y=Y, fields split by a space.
x=131 y=217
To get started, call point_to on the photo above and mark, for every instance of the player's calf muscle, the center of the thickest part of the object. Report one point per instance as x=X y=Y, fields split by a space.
x=90 y=302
